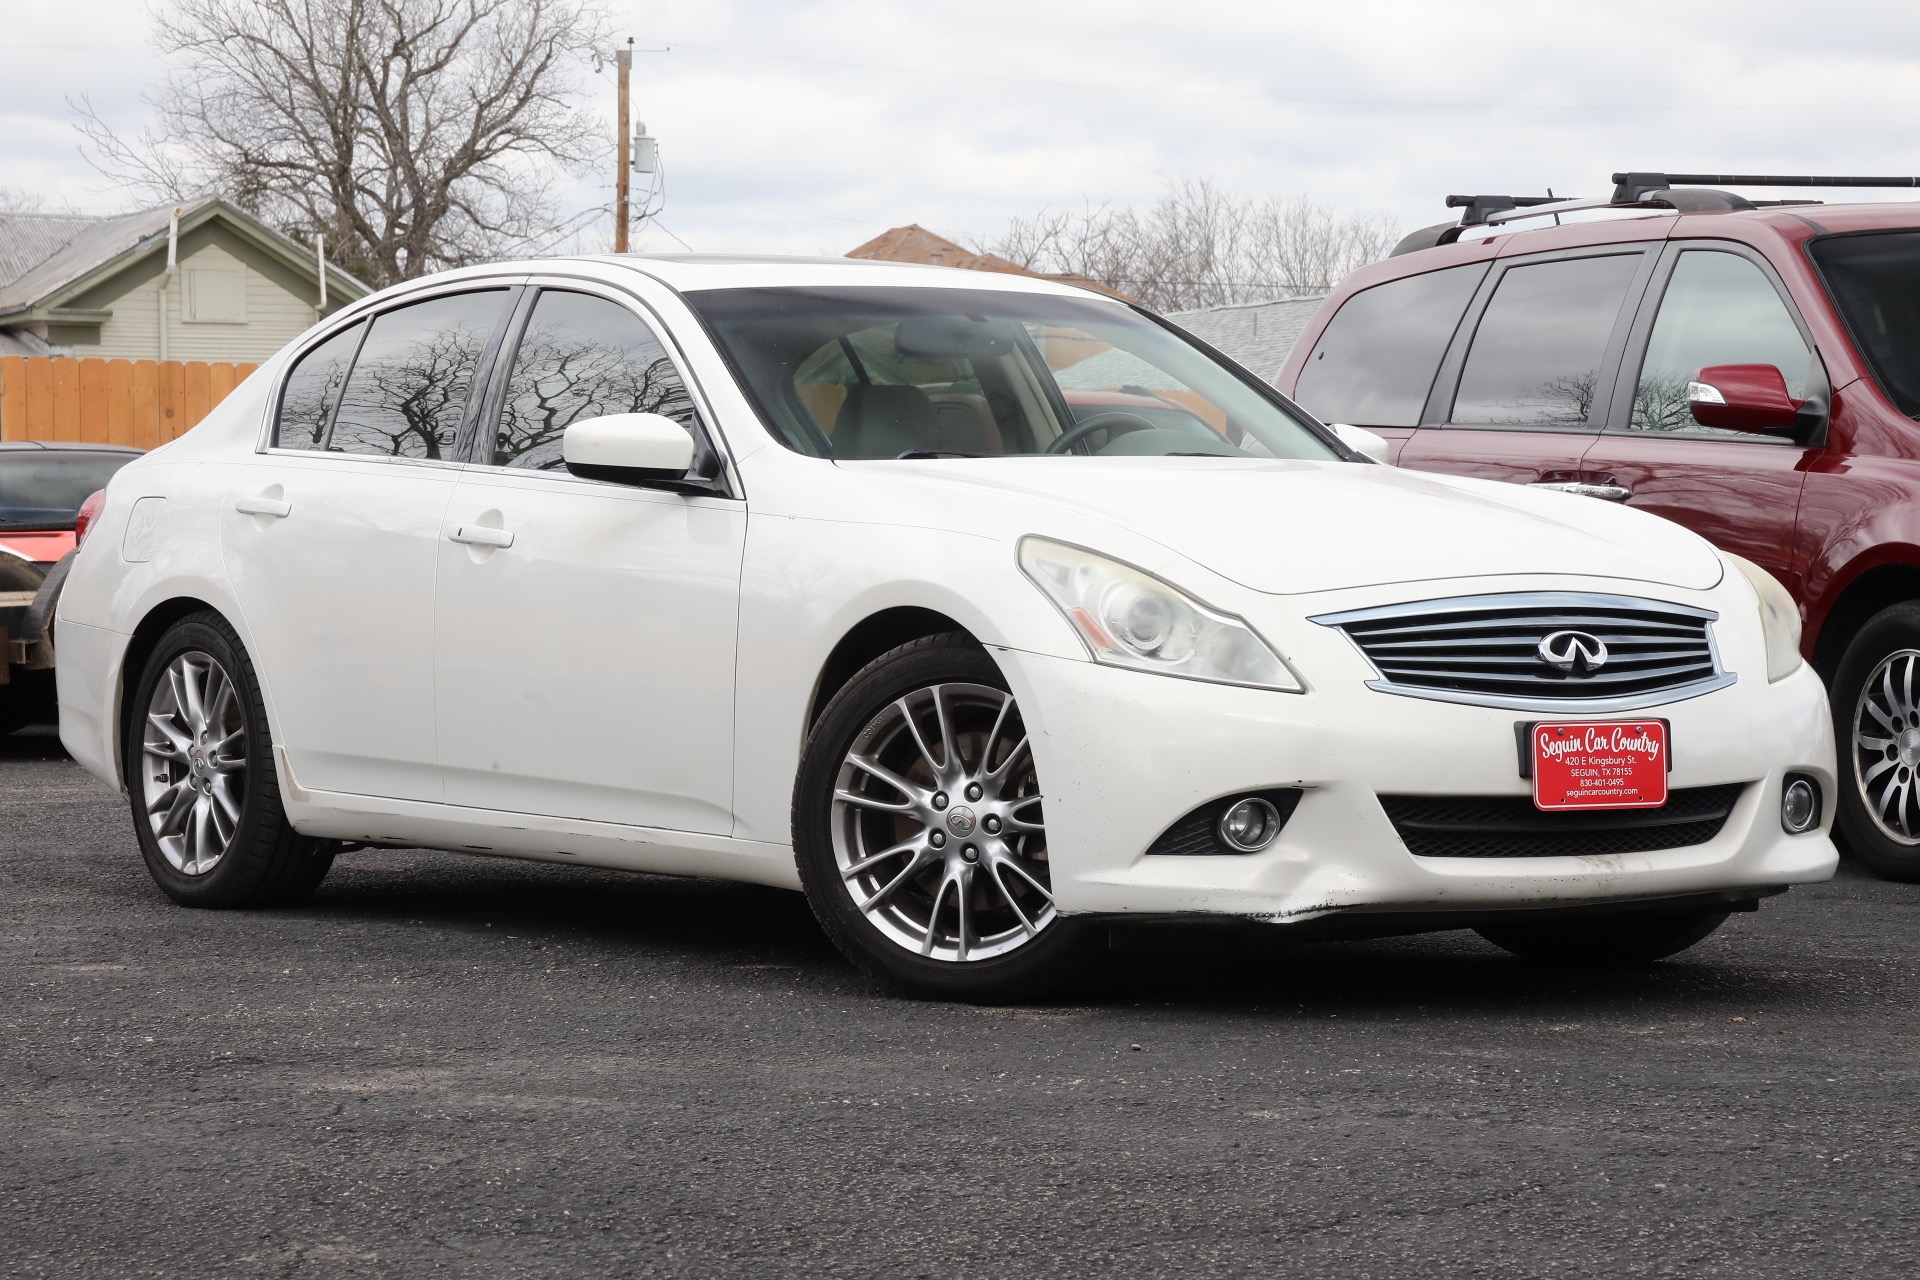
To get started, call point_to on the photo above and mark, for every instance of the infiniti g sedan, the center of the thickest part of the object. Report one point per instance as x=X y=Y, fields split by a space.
x=985 y=611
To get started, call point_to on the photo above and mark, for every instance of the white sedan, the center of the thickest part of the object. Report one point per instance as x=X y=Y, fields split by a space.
x=986 y=611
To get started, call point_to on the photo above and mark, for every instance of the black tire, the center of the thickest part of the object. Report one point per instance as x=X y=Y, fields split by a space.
x=1050 y=959
x=1614 y=940
x=1887 y=633
x=266 y=863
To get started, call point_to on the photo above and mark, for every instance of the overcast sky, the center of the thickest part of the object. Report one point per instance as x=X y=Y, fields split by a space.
x=794 y=126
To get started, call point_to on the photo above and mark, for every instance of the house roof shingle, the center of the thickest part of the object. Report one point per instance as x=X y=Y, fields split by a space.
x=1257 y=334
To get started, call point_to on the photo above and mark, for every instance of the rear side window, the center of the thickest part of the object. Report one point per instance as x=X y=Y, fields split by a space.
x=313 y=391
x=582 y=357
x=409 y=387
x=1375 y=363
x=1536 y=355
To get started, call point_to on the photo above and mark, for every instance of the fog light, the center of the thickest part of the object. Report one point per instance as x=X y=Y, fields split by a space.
x=1249 y=825
x=1800 y=804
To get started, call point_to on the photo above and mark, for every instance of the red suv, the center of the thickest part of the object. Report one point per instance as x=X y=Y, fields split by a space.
x=1750 y=369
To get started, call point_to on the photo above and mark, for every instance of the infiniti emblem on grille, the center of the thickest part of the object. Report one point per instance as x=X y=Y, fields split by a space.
x=1573 y=651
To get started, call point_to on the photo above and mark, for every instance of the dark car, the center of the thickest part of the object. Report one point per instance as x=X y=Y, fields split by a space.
x=1749 y=369
x=43 y=486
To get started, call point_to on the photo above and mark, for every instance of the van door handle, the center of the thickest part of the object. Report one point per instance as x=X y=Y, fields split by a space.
x=274 y=507
x=1586 y=489
x=480 y=535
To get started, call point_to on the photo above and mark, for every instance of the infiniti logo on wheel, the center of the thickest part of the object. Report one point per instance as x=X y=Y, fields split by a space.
x=1573 y=651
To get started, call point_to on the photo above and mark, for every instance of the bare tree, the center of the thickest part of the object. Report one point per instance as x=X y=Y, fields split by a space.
x=1198 y=246
x=415 y=134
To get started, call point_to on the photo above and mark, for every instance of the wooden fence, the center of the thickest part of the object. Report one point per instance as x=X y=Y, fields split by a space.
x=143 y=403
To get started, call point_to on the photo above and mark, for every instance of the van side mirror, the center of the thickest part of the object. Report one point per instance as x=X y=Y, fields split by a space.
x=647 y=449
x=1362 y=441
x=1742 y=397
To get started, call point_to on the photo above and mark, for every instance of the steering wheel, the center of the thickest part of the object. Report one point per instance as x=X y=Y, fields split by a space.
x=1117 y=420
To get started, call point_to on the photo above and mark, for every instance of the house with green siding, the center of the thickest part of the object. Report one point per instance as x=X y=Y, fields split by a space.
x=199 y=281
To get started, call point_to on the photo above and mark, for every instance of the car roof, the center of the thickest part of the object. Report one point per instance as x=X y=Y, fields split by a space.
x=693 y=272
x=64 y=446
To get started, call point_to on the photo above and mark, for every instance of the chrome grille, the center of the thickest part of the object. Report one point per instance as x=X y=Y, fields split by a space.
x=1487 y=650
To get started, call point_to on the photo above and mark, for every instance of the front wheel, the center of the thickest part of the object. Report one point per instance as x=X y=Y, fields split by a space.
x=920 y=833
x=1614 y=940
x=201 y=777
x=1876 y=714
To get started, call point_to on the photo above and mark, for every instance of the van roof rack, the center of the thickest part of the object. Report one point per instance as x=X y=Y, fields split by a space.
x=1681 y=192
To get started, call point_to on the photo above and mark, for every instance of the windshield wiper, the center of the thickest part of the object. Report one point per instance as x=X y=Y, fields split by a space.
x=936 y=453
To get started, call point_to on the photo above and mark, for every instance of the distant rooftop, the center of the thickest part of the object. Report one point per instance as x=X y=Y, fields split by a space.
x=914 y=243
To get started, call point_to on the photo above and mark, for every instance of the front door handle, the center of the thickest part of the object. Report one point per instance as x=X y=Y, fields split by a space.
x=274 y=507
x=1586 y=489
x=480 y=535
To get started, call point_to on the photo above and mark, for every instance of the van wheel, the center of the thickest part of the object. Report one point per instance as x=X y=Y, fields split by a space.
x=920 y=835
x=1876 y=728
x=201 y=777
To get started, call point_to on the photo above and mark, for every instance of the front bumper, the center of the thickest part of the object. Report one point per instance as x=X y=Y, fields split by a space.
x=1124 y=755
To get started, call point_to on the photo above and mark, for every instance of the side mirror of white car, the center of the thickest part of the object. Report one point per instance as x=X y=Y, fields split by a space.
x=628 y=448
x=1361 y=440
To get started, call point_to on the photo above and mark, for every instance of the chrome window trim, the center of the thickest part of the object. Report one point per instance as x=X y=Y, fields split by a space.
x=656 y=324
x=1534 y=600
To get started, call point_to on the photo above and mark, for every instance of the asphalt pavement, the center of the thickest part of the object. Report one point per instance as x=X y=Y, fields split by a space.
x=448 y=1065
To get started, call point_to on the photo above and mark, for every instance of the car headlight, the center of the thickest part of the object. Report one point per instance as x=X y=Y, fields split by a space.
x=1132 y=619
x=1779 y=619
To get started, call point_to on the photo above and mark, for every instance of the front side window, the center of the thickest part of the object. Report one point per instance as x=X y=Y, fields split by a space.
x=408 y=391
x=1875 y=282
x=1718 y=308
x=889 y=372
x=1375 y=364
x=312 y=392
x=1537 y=352
x=581 y=357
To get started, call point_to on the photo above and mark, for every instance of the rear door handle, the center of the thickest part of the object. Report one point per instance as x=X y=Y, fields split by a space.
x=480 y=535
x=274 y=507
x=1586 y=489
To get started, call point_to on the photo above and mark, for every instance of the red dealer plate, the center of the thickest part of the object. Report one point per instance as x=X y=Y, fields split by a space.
x=1607 y=764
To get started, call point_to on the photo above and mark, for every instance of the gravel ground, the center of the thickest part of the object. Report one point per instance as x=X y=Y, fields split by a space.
x=462 y=1066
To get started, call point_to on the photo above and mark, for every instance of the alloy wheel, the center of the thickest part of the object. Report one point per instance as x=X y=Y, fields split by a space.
x=1886 y=744
x=194 y=762
x=938 y=834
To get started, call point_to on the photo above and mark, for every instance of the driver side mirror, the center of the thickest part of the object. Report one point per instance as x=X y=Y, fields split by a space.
x=647 y=449
x=1362 y=441
x=1742 y=397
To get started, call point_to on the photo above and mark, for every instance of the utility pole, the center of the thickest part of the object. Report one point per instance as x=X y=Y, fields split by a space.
x=623 y=60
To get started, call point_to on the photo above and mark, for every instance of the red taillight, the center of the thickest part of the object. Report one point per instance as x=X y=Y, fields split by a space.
x=89 y=512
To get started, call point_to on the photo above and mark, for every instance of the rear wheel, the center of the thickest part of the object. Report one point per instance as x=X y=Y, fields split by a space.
x=201 y=777
x=1616 y=939
x=1876 y=712
x=920 y=835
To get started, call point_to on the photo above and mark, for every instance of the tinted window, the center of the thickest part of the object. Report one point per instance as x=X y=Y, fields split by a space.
x=312 y=391
x=409 y=387
x=1875 y=281
x=581 y=357
x=1375 y=363
x=1718 y=308
x=1536 y=354
x=43 y=488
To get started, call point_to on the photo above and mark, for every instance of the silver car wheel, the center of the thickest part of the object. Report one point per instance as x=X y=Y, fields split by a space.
x=937 y=830
x=1886 y=744
x=194 y=763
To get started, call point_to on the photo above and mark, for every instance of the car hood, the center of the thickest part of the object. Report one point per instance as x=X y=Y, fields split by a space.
x=1298 y=527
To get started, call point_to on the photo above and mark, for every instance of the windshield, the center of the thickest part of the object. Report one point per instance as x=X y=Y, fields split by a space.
x=43 y=488
x=1875 y=281
x=864 y=372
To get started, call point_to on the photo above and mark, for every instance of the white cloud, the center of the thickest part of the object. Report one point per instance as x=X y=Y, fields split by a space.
x=773 y=142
